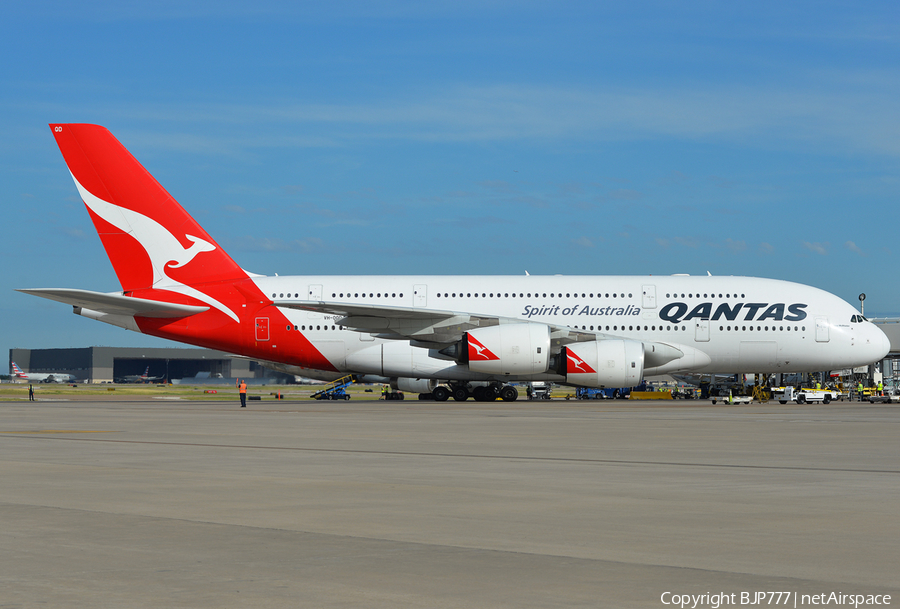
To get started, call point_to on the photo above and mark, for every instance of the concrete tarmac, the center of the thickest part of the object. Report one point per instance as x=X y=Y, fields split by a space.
x=422 y=504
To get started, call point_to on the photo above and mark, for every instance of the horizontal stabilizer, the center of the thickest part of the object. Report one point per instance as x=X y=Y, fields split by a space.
x=115 y=303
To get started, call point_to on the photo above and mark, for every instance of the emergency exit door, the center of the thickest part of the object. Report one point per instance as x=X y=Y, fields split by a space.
x=649 y=296
x=262 y=328
x=822 y=330
x=701 y=330
x=420 y=295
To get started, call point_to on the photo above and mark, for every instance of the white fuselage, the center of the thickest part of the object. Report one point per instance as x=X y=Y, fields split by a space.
x=735 y=324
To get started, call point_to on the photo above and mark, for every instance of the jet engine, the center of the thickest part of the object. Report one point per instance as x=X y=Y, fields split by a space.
x=603 y=363
x=508 y=349
x=409 y=385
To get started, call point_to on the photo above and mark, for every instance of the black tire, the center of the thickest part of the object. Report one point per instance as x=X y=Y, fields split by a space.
x=782 y=401
x=481 y=394
x=426 y=396
x=801 y=399
x=346 y=397
x=509 y=393
x=827 y=399
x=440 y=394
x=460 y=394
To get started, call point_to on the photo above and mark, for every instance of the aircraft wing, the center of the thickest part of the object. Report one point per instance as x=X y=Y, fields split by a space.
x=114 y=303
x=434 y=329
x=429 y=327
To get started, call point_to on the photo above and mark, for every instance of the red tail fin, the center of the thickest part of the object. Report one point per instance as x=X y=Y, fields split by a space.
x=150 y=239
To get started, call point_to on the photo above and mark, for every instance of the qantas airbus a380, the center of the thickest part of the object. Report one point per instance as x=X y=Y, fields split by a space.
x=465 y=332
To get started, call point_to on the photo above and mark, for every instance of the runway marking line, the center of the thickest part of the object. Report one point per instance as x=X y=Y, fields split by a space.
x=42 y=431
x=476 y=456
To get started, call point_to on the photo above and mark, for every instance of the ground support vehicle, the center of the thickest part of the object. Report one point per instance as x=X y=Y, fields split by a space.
x=538 y=390
x=732 y=399
x=805 y=395
x=335 y=390
x=588 y=393
x=887 y=398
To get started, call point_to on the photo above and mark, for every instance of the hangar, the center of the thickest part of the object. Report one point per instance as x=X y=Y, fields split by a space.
x=115 y=364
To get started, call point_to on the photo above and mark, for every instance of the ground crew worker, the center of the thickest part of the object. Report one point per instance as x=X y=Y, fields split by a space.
x=818 y=385
x=242 y=389
x=859 y=391
x=384 y=392
x=30 y=393
x=880 y=388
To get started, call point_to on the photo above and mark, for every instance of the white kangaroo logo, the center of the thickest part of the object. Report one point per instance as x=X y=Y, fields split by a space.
x=160 y=244
x=479 y=349
x=578 y=362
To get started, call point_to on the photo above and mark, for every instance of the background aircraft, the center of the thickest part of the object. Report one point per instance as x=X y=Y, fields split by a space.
x=41 y=377
x=140 y=378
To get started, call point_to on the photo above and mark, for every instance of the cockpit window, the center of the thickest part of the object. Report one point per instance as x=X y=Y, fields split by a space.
x=857 y=319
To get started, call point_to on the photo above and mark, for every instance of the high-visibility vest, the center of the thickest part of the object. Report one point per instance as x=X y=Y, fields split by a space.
x=243 y=387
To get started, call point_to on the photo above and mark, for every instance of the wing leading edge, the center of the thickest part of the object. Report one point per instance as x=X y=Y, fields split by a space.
x=434 y=329
x=114 y=303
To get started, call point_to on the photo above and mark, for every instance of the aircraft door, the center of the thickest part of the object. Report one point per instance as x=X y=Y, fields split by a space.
x=314 y=293
x=701 y=330
x=420 y=295
x=649 y=296
x=822 y=330
x=262 y=328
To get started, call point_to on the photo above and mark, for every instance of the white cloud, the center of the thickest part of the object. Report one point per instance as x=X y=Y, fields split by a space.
x=857 y=115
x=853 y=247
x=583 y=242
x=735 y=246
x=818 y=248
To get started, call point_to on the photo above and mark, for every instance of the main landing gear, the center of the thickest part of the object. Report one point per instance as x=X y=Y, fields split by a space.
x=481 y=393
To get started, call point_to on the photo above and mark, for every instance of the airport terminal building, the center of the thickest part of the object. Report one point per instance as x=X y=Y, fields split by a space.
x=124 y=364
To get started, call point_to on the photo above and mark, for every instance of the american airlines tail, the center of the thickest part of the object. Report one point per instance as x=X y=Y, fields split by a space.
x=465 y=336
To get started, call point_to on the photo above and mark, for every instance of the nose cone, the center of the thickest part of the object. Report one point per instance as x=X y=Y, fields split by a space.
x=878 y=345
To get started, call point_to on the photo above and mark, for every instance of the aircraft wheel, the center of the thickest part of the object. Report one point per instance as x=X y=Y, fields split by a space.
x=509 y=393
x=482 y=394
x=460 y=394
x=440 y=394
x=426 y=396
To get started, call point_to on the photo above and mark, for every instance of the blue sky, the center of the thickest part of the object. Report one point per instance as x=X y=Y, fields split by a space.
x=463 y=138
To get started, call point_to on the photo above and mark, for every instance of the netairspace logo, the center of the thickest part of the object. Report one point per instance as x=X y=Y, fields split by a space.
x=775 y=599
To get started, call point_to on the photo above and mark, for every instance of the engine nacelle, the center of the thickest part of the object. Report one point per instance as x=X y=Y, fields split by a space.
x=604 y=363
x=507 y=349
x=409 y=385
